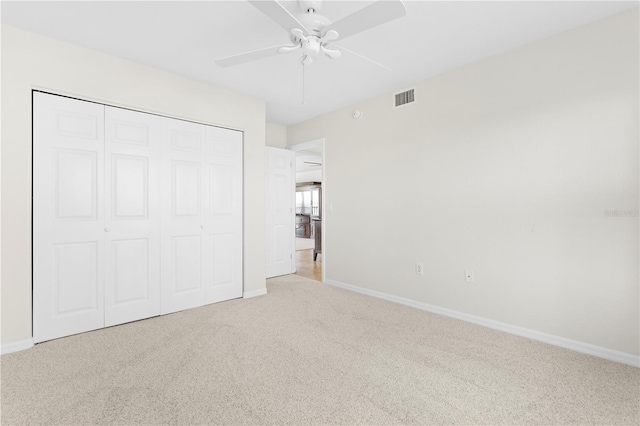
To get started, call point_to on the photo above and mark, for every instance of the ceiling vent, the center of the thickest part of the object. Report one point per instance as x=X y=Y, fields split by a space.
x=404 y=98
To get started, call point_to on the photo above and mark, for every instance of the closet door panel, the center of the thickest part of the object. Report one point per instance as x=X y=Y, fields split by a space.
x=131 y=280
x=186 y=258
x=223 y=260
x=186 y=188
x=75 y=278
x=75 y=174
x=183 y=201
x=132 y=193
x=130 y=180
x=223 y=158
x=68 y=223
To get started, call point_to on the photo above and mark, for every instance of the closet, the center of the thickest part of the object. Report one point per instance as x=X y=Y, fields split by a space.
x=134 y=215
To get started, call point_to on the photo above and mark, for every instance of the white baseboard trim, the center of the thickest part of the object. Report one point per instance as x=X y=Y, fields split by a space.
x=16 y=346
x=585 y=348
x=254 y=293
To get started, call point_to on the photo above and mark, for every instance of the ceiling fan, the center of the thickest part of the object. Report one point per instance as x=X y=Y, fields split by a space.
x=312 y=33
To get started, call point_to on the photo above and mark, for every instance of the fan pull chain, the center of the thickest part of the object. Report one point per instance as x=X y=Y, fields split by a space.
x=304 y=101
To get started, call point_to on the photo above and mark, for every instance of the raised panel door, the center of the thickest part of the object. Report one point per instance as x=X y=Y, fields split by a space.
x=68 y=219
x=223 y=215
x=183 y=248
x=132 y=220
x=280 y=228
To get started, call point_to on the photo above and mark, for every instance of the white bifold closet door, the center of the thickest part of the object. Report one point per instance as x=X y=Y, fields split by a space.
x=223 y=214
x=134 y=215
x=68 y=217
x=183 y=247
x=201 y=215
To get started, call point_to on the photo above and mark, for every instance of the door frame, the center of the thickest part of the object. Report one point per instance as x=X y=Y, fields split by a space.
x=301 y=147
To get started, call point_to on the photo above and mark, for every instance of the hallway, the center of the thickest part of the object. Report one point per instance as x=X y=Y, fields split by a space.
x=306 y=267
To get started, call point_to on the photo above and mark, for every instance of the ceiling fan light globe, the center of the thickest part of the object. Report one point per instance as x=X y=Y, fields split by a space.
x=311 y=46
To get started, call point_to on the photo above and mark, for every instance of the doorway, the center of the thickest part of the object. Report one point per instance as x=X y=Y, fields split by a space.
x=310 y=212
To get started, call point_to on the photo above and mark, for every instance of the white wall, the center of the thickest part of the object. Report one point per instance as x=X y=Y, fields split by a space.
x=312 y=176
x=506 y=167
x=276 y=135
x=31 y=61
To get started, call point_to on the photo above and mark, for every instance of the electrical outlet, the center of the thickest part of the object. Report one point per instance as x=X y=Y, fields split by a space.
x=420 y=268
x=468 y=276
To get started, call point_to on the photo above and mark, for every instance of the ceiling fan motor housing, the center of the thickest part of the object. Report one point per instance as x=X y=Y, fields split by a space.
x=314 y=22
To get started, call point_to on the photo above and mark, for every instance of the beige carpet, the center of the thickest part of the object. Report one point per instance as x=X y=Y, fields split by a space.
x=307 y=353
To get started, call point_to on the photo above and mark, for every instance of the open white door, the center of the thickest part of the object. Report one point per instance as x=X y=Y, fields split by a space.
x=280 y=223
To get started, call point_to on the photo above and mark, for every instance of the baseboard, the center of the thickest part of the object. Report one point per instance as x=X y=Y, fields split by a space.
x=254 y=293
x=16 y=346
x=585 y=348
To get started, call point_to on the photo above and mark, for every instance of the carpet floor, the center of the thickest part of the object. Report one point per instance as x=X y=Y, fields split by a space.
x=308 y=353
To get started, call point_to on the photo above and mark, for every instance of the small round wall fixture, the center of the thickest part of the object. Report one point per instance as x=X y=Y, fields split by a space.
x=356 y=114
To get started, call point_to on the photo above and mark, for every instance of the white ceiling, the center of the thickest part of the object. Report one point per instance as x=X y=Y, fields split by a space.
x=186 y=37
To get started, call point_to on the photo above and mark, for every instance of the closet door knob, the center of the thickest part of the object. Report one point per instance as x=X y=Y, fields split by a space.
x=202 y=226
x=107 y=229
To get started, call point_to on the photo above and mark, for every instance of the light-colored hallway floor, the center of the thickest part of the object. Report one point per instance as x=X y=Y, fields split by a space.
x=306 y=267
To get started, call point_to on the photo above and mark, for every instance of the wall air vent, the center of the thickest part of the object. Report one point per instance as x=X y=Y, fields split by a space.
x=404 y=98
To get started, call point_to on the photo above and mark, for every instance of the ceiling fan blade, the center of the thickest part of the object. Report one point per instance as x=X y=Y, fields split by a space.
x=363 y=57
x=277 y=13
x=253 y=55
x=371 y=16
